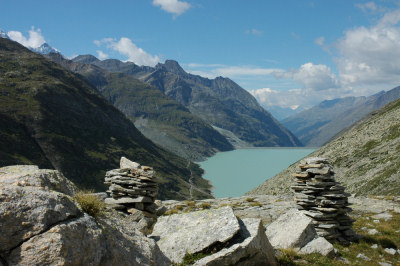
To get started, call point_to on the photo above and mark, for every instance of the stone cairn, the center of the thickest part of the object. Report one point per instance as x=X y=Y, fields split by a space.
x=132 y=187
x=320 y=197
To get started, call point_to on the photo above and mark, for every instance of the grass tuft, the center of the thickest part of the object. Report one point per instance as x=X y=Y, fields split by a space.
x=90 y=203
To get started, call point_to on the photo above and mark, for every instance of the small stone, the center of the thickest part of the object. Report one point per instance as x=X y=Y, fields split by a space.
x=374 y=246
x=301 y=175
x=373 y=231
x=314 y=160
x=315 y=165
x=363 y=257
x=390 y=251
x=125 y=163
x=344 y=260
x=319 y=171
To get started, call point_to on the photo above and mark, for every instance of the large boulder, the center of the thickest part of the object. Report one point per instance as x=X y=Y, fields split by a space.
x=255 y=248
x=42 y=225
x=31 y=175
x=27 y=207
x=227 y=239
x=193 y=232
x=75 y=242
x=291 y=230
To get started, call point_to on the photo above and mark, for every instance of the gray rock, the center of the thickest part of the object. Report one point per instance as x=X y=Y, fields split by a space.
x=125 y=163
x=374 y=246
x=390 y=251
x=382 y=263
x=319 y=171
x=44 y=227
x=291 y=230
x=255 y=249
x=75 y=242
x=383 y=216
x=363 y=257
x=373 y=231
x=127 y=200
x=101 y=195
x=319 y=245
x=25 y=210
x=31 y=175
x=193 y=232
x=314 y=160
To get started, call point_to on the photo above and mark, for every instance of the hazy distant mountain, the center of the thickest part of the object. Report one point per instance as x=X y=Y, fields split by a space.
x=220 y=102
x=158 y=117
x=365 y=156
x=317 y=125
x=54 y=118
x=281 y=113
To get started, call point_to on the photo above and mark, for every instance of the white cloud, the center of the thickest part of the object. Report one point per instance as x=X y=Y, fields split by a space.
x=294 y=98
x=295 y=36
x=235 y=71
x=35 y=39
x=369 y=6
x=320 y=41
x=263 y=95
x=315 y=77
x=101 y=55
x=254 y=32
x=215 y=70
x=175 y=7
x=371 y=55
x=127 y=48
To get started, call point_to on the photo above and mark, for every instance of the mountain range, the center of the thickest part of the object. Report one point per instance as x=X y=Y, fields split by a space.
x=187 y=114
x=220 y=102
x=319 y=124
x=56 y=119
x=157 y=116
x=364 y=156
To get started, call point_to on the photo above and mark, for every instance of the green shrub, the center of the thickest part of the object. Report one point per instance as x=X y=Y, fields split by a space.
x=287 y=257
x=190 y=258
x=205 y=205
x=250 y=199
x=90 y=203
x=190 y=203
x=255 y=204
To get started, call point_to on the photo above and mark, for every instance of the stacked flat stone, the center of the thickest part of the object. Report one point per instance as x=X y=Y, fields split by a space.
x=132 y=186
x=320 y=197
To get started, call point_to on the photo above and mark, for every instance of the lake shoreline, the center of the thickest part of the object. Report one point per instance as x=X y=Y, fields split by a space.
x=233 y=173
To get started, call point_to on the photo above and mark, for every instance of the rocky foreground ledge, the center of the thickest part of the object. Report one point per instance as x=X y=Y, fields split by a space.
x=42 y=224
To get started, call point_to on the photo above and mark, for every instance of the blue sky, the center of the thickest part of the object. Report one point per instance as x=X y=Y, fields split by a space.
x=287 y=53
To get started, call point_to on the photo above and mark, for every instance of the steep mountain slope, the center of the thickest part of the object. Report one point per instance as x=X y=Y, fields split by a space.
x=316 y=126
x=365 y=157
x=220 y=102
x=158 y=117
x=55 y=119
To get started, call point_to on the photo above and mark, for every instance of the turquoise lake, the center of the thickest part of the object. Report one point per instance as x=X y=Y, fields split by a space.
x=234 y=173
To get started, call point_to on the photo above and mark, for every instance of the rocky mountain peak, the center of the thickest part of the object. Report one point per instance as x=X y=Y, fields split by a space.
x=171 y=66
x=3 y=34
x=85 y=59
x=44 y=49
